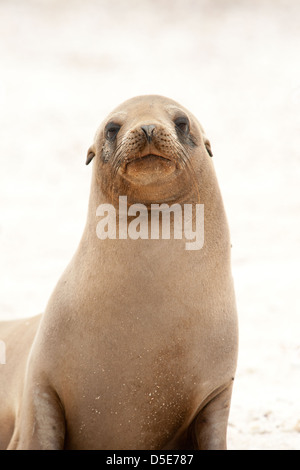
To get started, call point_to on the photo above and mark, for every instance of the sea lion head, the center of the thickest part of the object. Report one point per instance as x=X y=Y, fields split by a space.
x=150 y=149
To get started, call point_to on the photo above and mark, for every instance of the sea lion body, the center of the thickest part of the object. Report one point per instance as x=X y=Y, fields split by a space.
x=137 y=347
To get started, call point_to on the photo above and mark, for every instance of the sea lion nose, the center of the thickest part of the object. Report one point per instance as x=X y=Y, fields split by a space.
x=148 y=131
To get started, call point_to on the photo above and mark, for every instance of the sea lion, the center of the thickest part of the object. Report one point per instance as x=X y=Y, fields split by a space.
x=137 y=347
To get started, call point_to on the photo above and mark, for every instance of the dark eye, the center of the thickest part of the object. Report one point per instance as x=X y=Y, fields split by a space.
x=182 y=124
x=111 y=130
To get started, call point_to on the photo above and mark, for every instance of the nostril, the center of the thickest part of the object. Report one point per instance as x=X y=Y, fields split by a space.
x=148 y=131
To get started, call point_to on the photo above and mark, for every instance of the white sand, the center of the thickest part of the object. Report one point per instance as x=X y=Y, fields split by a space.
x=235 y=64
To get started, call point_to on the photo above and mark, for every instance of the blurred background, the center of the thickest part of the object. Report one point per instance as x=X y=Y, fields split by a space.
x=235 y=65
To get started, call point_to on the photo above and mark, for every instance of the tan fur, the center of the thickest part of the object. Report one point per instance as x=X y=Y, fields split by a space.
x=137 y=347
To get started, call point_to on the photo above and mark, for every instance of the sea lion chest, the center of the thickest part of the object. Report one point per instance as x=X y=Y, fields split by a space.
x=139 y=321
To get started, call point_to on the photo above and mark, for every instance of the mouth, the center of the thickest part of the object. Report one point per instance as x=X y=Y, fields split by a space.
x=150 y=156
x=148 y=168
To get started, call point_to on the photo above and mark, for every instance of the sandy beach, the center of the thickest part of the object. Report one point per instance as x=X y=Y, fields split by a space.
x=235 y=65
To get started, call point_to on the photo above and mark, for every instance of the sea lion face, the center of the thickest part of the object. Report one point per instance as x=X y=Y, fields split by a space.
x=150 y=149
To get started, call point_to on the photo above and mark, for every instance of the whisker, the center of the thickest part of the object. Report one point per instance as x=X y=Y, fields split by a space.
x=184 y=158
x=180 y=154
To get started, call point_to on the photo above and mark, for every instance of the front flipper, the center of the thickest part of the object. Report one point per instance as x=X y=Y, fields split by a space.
x=209 y=429
x=40 y=424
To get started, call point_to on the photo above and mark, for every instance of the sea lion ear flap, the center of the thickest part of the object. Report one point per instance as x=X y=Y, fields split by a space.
x=90 y=155
x=208 y=147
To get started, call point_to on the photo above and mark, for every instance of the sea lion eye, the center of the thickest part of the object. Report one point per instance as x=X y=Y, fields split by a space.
x=111 y=131
x=182 y=124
